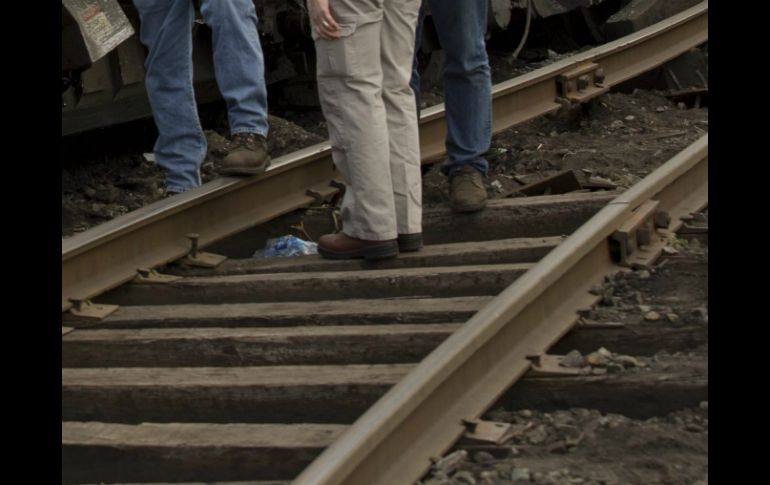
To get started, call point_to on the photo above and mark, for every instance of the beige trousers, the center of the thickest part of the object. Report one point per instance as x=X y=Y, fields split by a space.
x=363 y=84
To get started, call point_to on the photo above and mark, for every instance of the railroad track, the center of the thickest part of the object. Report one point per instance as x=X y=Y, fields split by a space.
x=253 y=370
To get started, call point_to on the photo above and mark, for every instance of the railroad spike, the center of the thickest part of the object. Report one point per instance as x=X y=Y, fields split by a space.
x=148 y=275
x=470 y=424
x=599 y=77
x=582 y=83
x=193 y=237
x=199 y=258
x=320 y=199
x=83 y=308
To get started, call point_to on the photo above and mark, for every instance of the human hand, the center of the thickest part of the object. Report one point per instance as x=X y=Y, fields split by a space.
x=322 y=20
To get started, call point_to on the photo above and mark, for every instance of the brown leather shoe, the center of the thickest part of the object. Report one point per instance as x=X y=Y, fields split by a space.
x=409 y=242
x=248 y=157
x=342 y=246
x=466 y=190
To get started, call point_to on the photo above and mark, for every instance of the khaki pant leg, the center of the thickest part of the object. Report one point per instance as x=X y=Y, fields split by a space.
x=350 y=89
x=398 y=41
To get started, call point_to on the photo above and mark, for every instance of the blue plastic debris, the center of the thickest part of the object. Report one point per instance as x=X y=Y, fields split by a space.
x=286 y=247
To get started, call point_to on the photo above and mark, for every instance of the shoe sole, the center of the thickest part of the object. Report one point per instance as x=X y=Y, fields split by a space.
x=469 y=207
x=370 y=253
x=408 y=243
x=245 y=170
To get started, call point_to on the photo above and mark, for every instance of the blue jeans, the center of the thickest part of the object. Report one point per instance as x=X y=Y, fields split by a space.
x=461 y=26
x=166 y=31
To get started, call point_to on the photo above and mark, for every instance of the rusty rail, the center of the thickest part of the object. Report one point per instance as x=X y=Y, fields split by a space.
x=110 y=254
x=424 y=413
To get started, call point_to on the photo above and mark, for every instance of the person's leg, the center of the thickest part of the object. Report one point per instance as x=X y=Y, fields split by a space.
x=415 y=81
x=240 y=72
x=350 y=90
x=461 y=26
x=238 y=63
x=397 y=53
x=166 y=31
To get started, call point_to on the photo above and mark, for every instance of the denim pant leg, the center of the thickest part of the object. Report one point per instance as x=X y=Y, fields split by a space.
x=415 y=81
x=166 y=31
x=238 y=63
x=461 y=26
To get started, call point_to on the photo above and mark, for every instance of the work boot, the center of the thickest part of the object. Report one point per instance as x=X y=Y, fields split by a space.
x=248 y=157
x=342 y=246
x=466 y=190
x=409 y=242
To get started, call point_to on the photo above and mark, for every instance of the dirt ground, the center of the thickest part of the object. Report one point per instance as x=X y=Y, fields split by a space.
x=583 y=446
x=618 y=139
x=586 y=446
x=116 y=177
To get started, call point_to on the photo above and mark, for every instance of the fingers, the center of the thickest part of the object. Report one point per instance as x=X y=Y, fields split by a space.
x=329 y=22
x=326 y=26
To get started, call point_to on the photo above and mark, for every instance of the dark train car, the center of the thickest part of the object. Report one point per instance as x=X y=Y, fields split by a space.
x=103 y=59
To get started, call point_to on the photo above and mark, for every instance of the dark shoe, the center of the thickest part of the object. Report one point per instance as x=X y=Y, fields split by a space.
x=409 y=242
x=342 y=246
x=466 y=190
x=248 y=157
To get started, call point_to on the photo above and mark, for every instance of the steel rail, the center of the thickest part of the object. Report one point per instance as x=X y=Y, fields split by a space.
x=109 y=255
x=423 y=414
